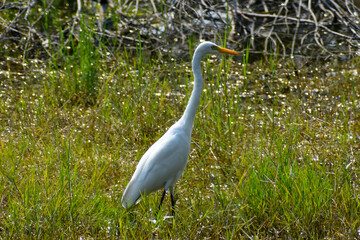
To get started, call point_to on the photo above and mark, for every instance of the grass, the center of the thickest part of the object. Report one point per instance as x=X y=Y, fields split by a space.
x=275 y=149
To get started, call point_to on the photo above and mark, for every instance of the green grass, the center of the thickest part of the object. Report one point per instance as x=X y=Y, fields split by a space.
x=275 y=150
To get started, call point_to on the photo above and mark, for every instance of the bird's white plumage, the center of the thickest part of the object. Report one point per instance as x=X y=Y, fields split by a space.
x=164 y=162
x=157 y=168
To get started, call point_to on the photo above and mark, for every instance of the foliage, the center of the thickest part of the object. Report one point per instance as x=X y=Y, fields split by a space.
x=296 y=29
x=275 y=145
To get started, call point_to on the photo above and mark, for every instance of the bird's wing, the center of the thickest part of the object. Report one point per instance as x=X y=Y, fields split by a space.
x=161 y=166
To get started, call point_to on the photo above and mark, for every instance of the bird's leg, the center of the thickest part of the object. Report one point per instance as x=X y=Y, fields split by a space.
x=172 y=201
x=172 y=204
x=162 y=198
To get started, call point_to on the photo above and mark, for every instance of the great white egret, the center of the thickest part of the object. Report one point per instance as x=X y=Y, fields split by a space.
x=163 y=163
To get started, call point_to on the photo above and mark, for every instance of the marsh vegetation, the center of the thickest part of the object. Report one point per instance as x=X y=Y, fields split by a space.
x=275 y=146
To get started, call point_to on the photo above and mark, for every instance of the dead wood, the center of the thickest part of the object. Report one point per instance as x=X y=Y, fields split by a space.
x=315 y=29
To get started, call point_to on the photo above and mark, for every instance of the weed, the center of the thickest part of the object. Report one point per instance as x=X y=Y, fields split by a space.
x=274 y=153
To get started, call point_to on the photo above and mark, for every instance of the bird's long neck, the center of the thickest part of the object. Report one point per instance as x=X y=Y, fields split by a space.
x=190 y=111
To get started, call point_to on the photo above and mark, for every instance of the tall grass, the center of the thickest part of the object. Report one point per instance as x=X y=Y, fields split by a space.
x=274 y=153
x=79 y=58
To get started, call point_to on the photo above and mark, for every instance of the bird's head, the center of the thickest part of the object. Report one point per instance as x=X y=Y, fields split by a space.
x=206 y=48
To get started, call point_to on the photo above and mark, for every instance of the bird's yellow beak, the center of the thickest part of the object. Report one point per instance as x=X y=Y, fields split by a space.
x=226 y=51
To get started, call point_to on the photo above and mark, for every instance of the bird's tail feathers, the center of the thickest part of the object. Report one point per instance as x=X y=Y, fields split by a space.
x=130 y=196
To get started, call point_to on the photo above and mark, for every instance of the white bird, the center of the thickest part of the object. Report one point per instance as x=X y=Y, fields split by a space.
x=164 y=162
